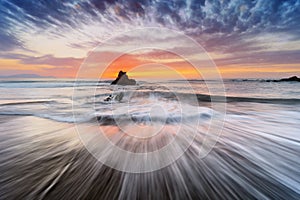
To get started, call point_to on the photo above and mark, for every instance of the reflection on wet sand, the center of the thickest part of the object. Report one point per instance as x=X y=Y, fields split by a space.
x=41 y=158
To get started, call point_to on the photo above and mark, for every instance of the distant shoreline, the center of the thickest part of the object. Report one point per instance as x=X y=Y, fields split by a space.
x=25 y=76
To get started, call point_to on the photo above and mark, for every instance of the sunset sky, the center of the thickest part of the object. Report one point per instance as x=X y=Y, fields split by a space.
x=246 y=39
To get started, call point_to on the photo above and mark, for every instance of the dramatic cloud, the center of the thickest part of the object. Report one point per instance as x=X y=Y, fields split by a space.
x=227 y=27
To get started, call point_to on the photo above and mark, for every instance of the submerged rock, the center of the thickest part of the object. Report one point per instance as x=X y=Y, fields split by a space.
x=123 y=79
x=109 y=98
x=117 y=97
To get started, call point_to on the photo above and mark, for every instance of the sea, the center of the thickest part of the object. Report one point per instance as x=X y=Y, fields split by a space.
x=175 y=139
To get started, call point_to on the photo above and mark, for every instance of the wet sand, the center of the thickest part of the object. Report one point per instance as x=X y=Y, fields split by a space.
x=43 y=159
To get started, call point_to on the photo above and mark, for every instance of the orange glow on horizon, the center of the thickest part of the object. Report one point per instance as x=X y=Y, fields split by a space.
x=148 y=67
x=143 y=67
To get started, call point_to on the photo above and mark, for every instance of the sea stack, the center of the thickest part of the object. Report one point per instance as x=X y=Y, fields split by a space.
x=123 y=79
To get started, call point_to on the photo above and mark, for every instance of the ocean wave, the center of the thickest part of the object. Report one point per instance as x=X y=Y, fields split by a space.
x=257 y=100
x=51 y=84
x=150 y=119
x=27 y=102
x=171 y=113
x=207 y=97
x=66 y=118
x=114 y=119
x=136 y=107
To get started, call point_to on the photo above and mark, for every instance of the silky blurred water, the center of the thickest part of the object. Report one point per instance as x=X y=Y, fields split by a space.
x=42 y=157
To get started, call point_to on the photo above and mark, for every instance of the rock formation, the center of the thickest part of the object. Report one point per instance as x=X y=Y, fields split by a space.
x=123 y=79
x=290 y=79
x=293 y=78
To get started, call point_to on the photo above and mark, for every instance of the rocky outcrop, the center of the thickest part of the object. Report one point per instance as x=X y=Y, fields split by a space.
x=290 y=79
x=123 y=79
x=293 y=78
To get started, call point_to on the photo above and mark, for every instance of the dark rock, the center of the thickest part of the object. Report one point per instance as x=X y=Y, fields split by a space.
x=117 y=97
x=123 y=79
x=293 y=78
x=290 y=79
x=109 y=98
